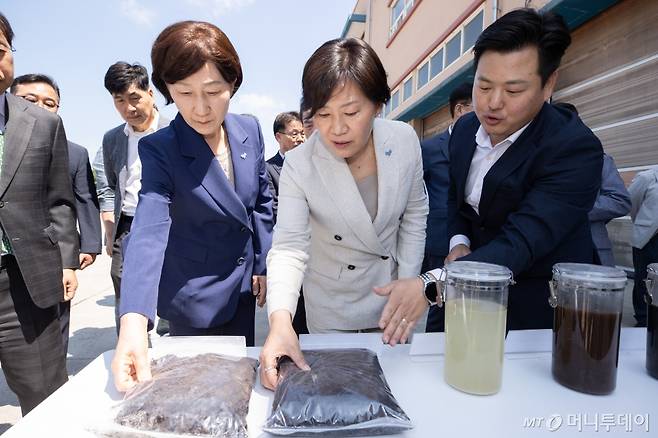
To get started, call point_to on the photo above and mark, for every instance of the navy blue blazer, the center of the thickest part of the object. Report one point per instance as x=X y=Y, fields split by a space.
x=195 y=242
x=534 y=205
x=436 y=167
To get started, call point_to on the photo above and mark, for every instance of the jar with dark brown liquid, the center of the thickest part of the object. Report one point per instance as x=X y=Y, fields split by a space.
x=652 y=320
x=588 y=302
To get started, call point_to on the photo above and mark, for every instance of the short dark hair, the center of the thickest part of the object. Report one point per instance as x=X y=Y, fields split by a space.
x=568 y=106
x=34 y=78
x=183 y=48
x=527 y=27
x=121 y=75
x=283 y=119
x=6 y=29
x=338 y=61
x=462 y=93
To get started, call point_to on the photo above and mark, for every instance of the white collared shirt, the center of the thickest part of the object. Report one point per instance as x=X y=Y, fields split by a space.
x=484 y=158
x=133 y=174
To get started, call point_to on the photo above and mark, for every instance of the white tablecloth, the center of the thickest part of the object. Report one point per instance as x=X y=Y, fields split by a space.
x=529 y=404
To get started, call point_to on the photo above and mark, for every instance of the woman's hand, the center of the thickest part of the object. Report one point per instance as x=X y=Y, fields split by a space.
x=281 y=341
x=406 y=303
x=259 y=289
x=130 y=365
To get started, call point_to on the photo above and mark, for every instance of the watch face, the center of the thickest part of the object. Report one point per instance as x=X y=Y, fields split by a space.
x=431 y=292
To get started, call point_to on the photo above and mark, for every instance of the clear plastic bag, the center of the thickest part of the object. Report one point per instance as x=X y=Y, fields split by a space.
x=345 y=393
x=205 y=395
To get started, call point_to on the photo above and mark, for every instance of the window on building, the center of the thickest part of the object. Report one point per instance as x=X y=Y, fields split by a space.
x=399 y=10
x=472 y=31
x=436 y=63
x=408 y=88
x=453 y=49
x=423 y=75
x=395 y=100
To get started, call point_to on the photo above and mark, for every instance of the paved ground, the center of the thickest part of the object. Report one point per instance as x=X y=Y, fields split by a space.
x=92 y=329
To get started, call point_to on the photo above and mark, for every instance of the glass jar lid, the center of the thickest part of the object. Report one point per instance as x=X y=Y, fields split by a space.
x=585 y=275
x=479 y=272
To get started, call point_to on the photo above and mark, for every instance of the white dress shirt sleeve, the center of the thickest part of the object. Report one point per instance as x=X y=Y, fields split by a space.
x=459 y=239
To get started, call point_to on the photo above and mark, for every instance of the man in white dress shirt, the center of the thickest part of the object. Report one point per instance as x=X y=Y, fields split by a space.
x=133 y=99
x=523 y=174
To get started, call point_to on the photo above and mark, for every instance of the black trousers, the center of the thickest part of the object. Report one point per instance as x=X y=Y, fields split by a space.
x=641 y=259
x=31 y=351
x=242 y=323
x=65 y=322
x=116 y=269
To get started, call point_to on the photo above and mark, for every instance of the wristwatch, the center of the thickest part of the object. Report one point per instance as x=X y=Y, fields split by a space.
x=429 y=288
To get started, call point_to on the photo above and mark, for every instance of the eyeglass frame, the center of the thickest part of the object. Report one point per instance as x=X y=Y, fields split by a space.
x=293 y=134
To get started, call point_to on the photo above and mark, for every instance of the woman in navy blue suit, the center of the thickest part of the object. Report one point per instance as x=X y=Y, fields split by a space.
x=203 y=223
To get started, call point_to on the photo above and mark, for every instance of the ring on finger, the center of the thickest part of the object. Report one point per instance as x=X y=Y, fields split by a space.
x=268 y=369
x=404 y=321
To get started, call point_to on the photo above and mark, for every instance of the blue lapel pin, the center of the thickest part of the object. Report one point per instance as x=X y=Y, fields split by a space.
x=388 y=152
x=243 y=156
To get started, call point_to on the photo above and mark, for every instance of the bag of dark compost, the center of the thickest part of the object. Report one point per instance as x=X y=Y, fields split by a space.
x=344 y=394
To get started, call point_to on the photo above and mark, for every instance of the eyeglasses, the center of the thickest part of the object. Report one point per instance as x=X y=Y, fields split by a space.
x=293 y=134
x=47 y=102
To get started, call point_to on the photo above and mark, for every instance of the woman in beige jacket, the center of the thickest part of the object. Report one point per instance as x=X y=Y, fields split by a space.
x=352 y=210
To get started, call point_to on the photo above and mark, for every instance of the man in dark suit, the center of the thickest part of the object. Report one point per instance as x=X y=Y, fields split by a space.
x=289 y=133
x=133 y=99
x=523 y=174
x=38 y=240
x=613 y=201
x=436 y=166
x=43 y=91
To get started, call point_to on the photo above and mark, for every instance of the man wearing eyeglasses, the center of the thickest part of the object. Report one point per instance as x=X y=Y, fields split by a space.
x=43 y=91
x=289 y=133
x=39 y=245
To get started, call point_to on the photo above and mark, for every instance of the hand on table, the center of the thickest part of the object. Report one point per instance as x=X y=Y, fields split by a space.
x=281 y=341
x=130 y=364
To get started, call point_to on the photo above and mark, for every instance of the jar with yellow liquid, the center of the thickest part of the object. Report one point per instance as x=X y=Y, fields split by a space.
x=475 y=296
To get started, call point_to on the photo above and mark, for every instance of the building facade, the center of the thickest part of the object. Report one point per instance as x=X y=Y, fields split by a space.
x=607 y=72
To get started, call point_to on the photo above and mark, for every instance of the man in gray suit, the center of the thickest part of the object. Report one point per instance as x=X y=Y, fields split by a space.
x=43 y=91
x=133 y=99
x=613 y=201
x=38 y=240
x=644 y=196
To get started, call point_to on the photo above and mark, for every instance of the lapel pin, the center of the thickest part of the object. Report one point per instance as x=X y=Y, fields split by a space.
x=243 y=156
x=388 y=152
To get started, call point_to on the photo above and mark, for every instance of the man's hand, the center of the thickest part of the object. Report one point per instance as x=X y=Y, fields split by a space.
x=259 y=289
x=86 y=260
x=107 y=217
x=70 y=284
x=406 y=303
x=130 y=365
x=457 y=252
